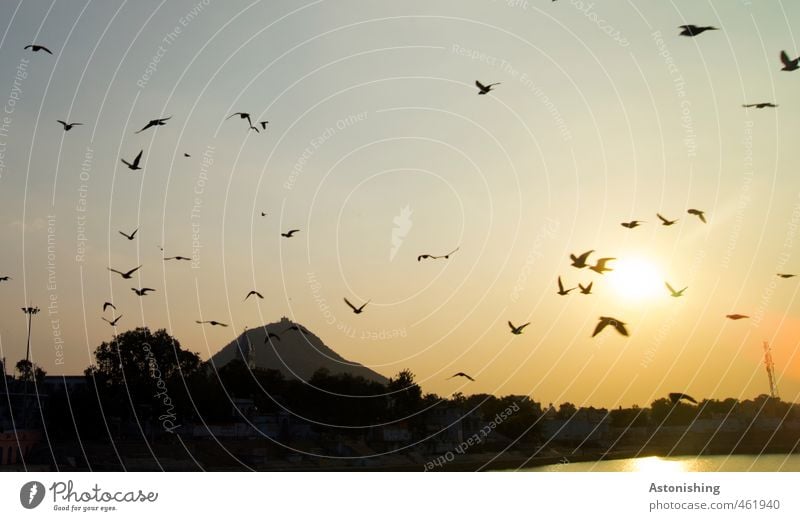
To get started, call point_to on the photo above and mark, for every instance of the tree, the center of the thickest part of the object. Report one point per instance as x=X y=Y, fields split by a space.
x=29 y=372
x=405 y=395
x=141 y=375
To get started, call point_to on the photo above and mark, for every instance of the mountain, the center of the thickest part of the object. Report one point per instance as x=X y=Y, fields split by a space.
x=298 y=354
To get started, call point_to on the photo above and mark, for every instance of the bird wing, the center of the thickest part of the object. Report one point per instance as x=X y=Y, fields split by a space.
x=560 y=285
x=785 y=58
x=420 y=257
x=125 y=235
x=585 y=256
x=702 y=216
x=599 y=327
x=132 y=271
x=523 y=326
x=670 y=288
x=149 y=124
x=62 y=122
x=511 y=325
x=138 y=158
x=349 y=304
x=45 y=49
x=620 y=327
x=116 y=271
x=662 y=218
x=480 y=85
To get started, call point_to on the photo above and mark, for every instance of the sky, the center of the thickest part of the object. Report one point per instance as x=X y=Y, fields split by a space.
x=378 y=149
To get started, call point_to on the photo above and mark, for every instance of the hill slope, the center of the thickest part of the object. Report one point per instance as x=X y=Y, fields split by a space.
x=298 y=354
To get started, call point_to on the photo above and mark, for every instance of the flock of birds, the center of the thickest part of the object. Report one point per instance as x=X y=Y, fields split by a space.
x=578 y=261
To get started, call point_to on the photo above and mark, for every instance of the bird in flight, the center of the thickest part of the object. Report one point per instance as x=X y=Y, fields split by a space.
x=107 y=305
x=699 y=213
x=676 y=397
x=5 y=278
x=263 y=214
x=177 y=257
x=131 y=236
x=295 y=327
x=127 y=274
x=112 y=322
x=665 y=221
x=142 y=292
x=242 y=115
x=586 y=290
x=760 y=105
x=789 y=64
x=290 y=233
x=68 y=126
x=484 y=89
x=463 y=375
x=561 y=290
x=356 y=310
x=694 y=30
x=610 y=321
x=36 y=48
x=135 y=164
x=632 y=224
x=254 y=292
x=736 y=316
x=154 y=123
x=786 y=275
x=271 y=335
x=211 y=322
x=517 y=330
x=600 y=266
x=186 y=155
x=675 y=293
x=580 y=261
x=263 y=124
x=429 y=256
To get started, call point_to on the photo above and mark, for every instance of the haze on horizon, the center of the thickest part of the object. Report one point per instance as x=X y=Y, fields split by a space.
x=378 y=149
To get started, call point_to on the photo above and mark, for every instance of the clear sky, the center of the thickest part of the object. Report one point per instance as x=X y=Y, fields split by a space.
x=379 y=149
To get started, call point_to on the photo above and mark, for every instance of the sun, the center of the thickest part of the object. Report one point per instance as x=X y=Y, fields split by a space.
x=636 y=278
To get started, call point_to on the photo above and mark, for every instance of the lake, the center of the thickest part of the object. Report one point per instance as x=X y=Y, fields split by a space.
x=732 y=463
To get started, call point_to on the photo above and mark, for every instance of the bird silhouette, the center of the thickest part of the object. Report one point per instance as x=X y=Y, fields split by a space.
x=295 y=327
x=699 y=213
x=356 y=310
x=789 y=64
x=127 y=274
x=737 y=316
x=429 y=256
x=186 y=155
x=665 y=221
x=580 y=261
x=36 y=48
x=112 y=322
x=178 y=258
x=632 y=224
x=242 y=115
x=271 y=335
x=290 y=233
x=263 y=124
x=462 y=375
x=673 y=292
x=254 y=292
x=484 y=89
x=694 y=30
x=600 y=265
x=760 y=105
x=561 y=290
x=263 y=214
x=107 y=305
x=610 y=321
x=676 y=397
x=68 y=126
x=586 y=290
x=517 y=330
x=786 y=275
x=211 y=322
x=5 y=278
x=135 y=164
x=131 y=236
x=142 y=292
x=154 y=123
